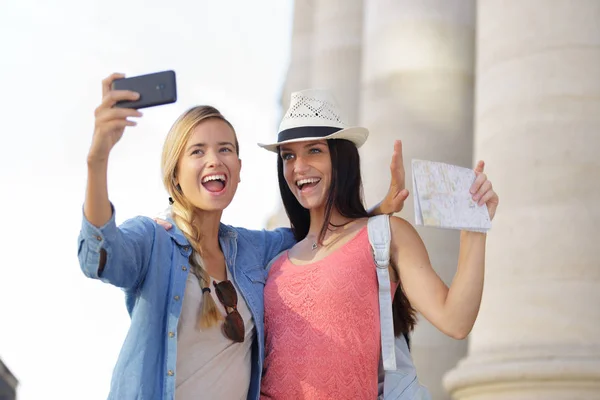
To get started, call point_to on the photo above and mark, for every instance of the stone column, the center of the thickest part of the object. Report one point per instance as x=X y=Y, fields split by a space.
x=538 y=128
x=337 y=51
x=326 y=53
x=417 y=79
x=298 y=77
x=300 y=67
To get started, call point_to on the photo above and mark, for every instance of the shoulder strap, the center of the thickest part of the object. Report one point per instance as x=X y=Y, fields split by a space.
x=380 y=237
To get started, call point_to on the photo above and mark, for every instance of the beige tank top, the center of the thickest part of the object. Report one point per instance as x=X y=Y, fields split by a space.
x=209 y=365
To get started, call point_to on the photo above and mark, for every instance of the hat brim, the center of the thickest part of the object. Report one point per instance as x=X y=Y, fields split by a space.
x=357 y=135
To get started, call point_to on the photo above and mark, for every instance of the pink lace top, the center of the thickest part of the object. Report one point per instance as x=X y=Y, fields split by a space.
x=322 y=326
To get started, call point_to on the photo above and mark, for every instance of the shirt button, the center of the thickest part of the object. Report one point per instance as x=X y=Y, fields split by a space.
x=170 y=372
x=176 y=298
x=171 y=334
x=184 y=268
x=98 y=238
x=186 y=248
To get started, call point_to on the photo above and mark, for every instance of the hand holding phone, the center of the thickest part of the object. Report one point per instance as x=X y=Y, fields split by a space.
x=110 y=121
x=154 y=89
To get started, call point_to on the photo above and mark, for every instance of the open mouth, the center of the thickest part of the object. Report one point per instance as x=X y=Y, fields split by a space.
x=214 y=183
x=307 y=183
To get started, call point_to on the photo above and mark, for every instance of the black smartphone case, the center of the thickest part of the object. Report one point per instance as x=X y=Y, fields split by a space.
x=155 y=89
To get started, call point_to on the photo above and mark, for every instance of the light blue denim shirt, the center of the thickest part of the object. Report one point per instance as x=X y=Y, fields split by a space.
x=151 y=264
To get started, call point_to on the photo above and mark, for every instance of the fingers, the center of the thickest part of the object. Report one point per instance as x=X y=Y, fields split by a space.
x=479 y=167
x=398 y=151
x=114 y=96
x=104 y=115
x=115 y=125
x=107 y=82
x=397 y=160
x=481 y=177
x=111 y=97
x=166 y=225
x=394 y=162
x=397 y=165
x=396 y=204
x=486 y=197
x=106 y=112
x=483 y=189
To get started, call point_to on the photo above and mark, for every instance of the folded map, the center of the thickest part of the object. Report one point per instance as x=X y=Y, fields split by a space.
x=442 y=198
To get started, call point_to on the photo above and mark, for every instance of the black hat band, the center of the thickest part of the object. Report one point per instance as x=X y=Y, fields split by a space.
x=306 y=132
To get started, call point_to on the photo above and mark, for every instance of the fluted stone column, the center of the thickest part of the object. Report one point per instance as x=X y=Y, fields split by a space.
x=337 y=51
x=300 y=68
x=326 y=53
x=298 y=76
x=538 y=128
x=418 y=61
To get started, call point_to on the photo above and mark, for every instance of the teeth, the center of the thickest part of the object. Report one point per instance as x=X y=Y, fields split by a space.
x=213 y=178
x=303 y=182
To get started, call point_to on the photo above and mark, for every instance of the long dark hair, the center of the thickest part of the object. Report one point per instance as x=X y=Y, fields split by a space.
x=345 y=194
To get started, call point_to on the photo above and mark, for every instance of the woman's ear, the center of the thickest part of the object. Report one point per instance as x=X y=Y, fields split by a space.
x=240 y=177
x=176 y=181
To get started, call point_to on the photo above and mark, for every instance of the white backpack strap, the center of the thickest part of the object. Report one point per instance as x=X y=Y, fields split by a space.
x=380 y=237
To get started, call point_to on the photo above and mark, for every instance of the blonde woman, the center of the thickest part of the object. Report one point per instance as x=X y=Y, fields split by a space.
x=198 y=334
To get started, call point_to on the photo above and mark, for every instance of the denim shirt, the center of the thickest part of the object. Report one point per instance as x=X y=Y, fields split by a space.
x=151 y=265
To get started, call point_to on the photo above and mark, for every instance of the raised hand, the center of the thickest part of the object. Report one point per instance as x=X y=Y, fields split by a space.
x=111 y=121
x=397 y=194
x=482 y=190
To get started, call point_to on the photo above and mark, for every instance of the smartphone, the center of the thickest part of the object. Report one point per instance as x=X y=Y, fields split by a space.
x=155 y=89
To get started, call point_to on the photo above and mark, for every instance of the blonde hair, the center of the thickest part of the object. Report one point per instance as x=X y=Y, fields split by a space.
x=183 y=211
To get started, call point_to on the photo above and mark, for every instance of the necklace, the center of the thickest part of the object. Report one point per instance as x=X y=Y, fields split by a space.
x=314 y=245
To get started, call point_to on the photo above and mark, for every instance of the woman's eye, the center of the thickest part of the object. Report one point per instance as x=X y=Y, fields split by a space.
x=286 y=156
x=226 y=150
x=314 y=150
x=196 y=152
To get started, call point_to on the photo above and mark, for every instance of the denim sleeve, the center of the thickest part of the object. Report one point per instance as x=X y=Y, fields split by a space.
x=128 y=249
x=277 y=241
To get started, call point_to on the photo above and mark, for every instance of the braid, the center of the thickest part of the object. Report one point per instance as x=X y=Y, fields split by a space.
x=208 y=315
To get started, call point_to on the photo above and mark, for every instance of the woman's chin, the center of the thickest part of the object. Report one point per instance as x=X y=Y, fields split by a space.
x=211 y=203
x=311 y=205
